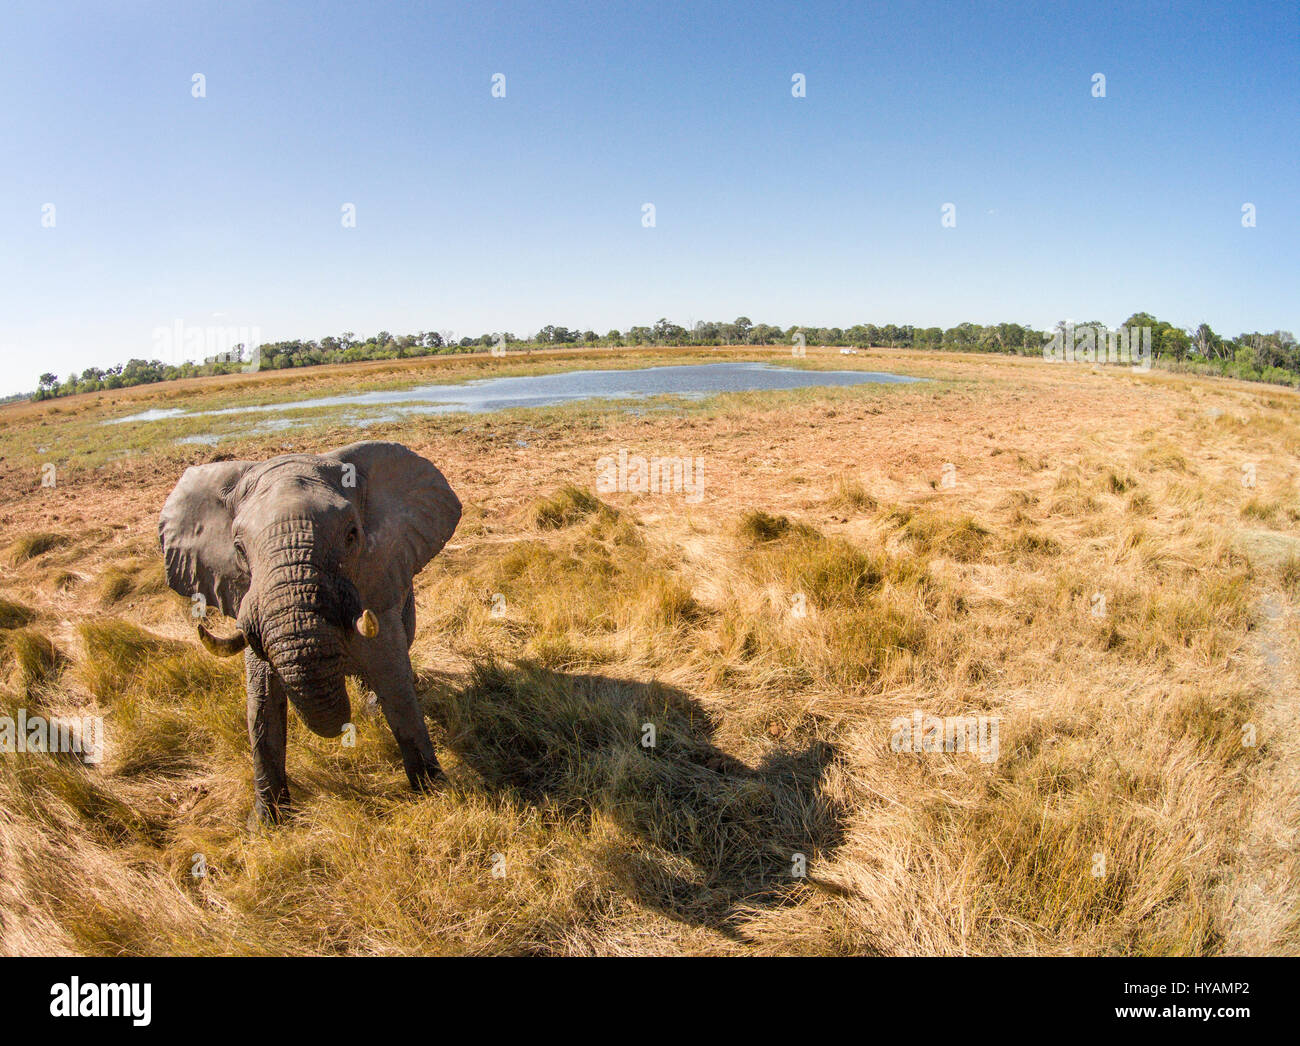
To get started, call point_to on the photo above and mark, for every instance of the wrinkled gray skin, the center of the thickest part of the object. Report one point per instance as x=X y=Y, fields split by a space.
x=295 y=549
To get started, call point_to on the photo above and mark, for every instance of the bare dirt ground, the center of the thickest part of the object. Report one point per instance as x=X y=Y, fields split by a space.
x=1100 y=560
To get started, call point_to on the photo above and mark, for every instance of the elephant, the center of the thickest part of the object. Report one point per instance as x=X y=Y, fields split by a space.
x=314 y=555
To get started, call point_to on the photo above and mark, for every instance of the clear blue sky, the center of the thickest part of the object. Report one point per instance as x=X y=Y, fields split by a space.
x=477 y=214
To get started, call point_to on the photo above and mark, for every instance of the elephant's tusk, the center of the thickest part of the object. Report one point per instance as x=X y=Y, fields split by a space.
x=222 y=647
x=368 y=624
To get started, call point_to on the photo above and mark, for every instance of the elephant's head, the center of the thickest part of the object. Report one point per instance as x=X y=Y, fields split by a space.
x=301 y=550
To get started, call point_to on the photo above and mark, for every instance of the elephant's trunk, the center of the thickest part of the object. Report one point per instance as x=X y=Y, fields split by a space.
x=301 y=609
x=310 y=664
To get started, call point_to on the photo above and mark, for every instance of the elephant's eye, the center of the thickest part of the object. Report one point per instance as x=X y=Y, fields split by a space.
x=351 y=539
x=241 y=554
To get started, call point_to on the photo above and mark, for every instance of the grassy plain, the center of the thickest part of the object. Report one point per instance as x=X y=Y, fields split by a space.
x=1110 y=568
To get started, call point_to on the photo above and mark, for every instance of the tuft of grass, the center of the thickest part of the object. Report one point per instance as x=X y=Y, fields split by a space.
x=871 y=642
x=15 y=615
x=757 y=526
x=1018 y=500
x=1118 y=482
x=1073 y=503
x=118 y=653
x=172 y=703
x=114 y=585
x=135 y=578
x=35 y=543
x=1289 y=576
x=1200 y=616
x=567 y=506
x=35 y=659
x=1266 y=510
x=1164 y=456
x=584 y=594
x=937 y=532
x=1029 y=542
x=830 y=572
x=1140 y=504
x=851 y=496
x=811 y=610
x=663 y=601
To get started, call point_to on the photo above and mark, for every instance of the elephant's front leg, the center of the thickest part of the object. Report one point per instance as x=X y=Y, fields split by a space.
x=267 y=732
x=385 y=667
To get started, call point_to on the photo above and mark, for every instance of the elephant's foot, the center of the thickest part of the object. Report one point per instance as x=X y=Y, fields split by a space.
x=422 y=770
x=271 y=808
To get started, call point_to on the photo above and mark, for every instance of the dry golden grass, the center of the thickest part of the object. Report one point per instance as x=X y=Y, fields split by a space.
x=15 y=615
x=28 y=546
x=33 y=659
x=851 y=496
x=1115 y=597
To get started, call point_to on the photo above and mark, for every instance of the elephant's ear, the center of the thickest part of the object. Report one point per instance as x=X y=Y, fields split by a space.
x=408 y=512
x=195 y=533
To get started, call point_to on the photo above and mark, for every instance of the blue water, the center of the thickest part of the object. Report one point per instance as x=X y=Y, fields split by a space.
x=543 y=390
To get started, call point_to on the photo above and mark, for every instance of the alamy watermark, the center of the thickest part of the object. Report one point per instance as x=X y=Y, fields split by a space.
x=1090 y=344
x=634 y=474
x=72 y=998
x=931 y=733
x=209 y=343
x=83 y=736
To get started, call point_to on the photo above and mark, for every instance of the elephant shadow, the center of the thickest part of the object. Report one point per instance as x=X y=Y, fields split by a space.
x=718 y=840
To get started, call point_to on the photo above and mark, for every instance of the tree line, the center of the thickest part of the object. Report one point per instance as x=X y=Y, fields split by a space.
x=1257 y=356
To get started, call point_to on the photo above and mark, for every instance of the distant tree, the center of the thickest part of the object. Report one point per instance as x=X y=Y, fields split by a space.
x=1174 y=342
x=1265 y=356
x=668 y=333
x=1207 y=343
